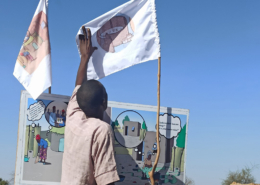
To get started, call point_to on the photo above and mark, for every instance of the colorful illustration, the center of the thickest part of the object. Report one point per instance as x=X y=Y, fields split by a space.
x=136 y=145
x=115 y=34
x=44 y=140
x=42 y=148
x=36 y=44
x=56 y=113
x=132 y=132
x=135 y=162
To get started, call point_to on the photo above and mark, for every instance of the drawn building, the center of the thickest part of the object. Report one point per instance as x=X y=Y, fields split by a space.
x=57 y=142
x=149 y=144
x=132 y=128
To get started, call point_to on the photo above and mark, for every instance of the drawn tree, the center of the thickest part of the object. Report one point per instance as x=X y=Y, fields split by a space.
x=177 y=160
x=116 y=123
x=180 y=142
x=125 y=119
x=144 y=126
x=143 y=131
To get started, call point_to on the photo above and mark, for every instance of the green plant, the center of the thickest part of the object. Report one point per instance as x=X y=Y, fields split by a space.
x=243 y=176
x=3 y=182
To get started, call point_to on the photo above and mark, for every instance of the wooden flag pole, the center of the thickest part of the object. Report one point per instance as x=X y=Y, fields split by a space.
x=157 y=123
x=49 y=90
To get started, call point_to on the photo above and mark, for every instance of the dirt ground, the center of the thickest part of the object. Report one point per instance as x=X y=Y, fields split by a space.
x=51 y=171
x=127 y=141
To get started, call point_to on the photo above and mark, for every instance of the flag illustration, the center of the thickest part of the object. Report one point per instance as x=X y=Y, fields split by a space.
x=33 y=64
x=125 y=36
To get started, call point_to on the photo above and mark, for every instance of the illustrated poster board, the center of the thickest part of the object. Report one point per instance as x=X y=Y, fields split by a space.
x=135 y=141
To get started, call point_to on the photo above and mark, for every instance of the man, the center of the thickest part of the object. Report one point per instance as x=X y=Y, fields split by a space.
x=42 y=148
x=88 y=157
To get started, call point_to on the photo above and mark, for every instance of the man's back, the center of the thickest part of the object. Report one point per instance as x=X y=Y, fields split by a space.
x=88 y=157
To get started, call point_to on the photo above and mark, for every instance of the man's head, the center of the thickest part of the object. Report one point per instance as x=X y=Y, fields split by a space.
x=92 y=98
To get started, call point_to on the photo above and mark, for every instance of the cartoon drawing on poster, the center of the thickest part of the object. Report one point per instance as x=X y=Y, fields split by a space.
x=129 y=133
x=135 y=161
x=135 y=147
x=44 y=139
x=56 y=113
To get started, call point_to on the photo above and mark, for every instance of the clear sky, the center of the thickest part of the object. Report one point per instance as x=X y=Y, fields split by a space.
x=210 y=65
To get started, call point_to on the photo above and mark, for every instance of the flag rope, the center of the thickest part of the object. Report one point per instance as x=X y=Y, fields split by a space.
x=151 y=173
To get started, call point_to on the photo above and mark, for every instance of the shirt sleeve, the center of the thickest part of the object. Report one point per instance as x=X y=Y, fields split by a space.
x=105 y=171
x=73 y=105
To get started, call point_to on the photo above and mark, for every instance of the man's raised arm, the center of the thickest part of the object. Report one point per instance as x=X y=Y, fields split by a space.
x=86 y=50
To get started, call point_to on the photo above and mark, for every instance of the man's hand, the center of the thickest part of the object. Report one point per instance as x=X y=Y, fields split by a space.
x=86 y=50
x=85 y=44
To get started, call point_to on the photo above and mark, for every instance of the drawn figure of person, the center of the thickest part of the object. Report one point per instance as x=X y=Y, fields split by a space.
x=58 y=114
x=53 y=117
x=116 y=32
x=42 y=148
x=27 y=55
x=47 y=114
x=147 y=167
x=148 y=160
x=63 y=116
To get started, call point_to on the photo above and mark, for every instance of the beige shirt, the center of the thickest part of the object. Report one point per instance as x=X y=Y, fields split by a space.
x=88 y=157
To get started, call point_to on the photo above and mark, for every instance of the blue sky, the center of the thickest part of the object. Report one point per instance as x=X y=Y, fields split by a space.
x=210 y=65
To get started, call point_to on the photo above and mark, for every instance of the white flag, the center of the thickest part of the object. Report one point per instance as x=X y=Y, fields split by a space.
x=33 y=64
x=125 y=36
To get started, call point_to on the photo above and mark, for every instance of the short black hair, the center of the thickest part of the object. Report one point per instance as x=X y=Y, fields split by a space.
x=90 y=97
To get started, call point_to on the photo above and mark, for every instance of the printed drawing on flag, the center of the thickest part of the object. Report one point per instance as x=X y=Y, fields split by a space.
x=116 y=34
x=36 y=44
x=125 y=36
x=33 y=64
